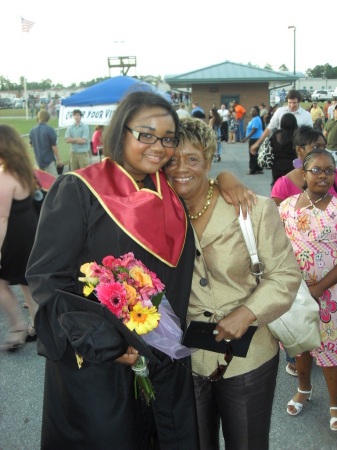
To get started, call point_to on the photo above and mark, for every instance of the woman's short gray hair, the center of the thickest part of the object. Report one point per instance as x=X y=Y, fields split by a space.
x=199 y=134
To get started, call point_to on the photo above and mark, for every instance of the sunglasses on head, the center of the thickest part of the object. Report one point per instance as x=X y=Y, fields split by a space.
x=220 y=371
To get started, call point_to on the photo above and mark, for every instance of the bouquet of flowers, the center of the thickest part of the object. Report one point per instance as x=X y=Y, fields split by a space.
x=132 y=293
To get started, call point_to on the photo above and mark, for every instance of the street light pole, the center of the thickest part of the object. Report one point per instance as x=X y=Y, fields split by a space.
x=294 y=53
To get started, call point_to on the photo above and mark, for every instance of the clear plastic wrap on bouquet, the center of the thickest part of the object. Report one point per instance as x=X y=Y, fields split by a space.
x=168 y=335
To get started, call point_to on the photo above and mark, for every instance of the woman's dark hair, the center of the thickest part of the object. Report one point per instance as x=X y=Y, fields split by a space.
x=131 y=105
x=15 y=157
x=257 y=109
x=312 y=155
x=305 y=135
x=288 y=127
x=217 y=117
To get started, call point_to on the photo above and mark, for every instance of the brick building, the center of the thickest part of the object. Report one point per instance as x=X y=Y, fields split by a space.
x=225 y=82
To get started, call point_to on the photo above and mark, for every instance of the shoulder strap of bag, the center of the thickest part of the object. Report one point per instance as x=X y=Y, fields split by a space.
x=257 y=267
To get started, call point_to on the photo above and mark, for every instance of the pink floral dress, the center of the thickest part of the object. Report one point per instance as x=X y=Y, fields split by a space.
x=313 y=234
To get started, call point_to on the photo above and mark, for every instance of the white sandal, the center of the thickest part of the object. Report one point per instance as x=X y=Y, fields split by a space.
x=299 y=406
x=333 y=419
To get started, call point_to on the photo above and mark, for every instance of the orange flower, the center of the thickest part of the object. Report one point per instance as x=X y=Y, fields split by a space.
x=131 y=294
x=303 y=223
x=137 y=273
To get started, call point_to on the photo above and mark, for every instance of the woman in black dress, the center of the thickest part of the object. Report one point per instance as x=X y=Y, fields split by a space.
x=18 y=222
x=122 y=204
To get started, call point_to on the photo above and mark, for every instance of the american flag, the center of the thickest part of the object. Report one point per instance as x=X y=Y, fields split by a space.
x=26 y=25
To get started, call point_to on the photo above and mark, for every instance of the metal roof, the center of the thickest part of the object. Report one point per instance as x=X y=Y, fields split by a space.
x=229 y=72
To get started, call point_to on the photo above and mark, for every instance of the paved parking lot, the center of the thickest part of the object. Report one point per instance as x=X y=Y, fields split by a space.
x=21 y=373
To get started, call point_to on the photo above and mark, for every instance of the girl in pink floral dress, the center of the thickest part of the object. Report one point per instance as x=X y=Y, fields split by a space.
x=310 y=221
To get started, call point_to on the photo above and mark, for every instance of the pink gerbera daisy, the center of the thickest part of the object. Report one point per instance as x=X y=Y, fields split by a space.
x=112 y=295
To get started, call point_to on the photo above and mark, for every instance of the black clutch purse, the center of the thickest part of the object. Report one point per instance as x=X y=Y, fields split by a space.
x=200 y=335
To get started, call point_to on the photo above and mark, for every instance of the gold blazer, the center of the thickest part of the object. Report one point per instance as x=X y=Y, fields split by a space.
x=224 y=261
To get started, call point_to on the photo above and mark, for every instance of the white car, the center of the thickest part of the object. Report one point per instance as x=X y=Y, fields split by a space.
x=321 y=95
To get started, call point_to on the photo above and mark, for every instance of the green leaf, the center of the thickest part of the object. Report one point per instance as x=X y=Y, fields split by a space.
x=156 y=299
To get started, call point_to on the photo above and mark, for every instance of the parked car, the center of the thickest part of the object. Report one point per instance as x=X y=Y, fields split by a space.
x=44 y=100
x=5 y=102
x=306 y=95
x=19 y=104
x=321 y=95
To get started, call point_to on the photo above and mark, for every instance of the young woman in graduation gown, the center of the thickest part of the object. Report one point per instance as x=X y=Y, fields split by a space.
x=120 y=205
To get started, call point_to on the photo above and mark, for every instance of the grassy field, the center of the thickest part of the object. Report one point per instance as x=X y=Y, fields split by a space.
x=24 y=126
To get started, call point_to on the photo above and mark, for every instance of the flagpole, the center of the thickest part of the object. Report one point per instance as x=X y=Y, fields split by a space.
x=25 y=90
x=26 y=25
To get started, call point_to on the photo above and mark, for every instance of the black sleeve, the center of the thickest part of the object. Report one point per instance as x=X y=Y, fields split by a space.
x=63 y=233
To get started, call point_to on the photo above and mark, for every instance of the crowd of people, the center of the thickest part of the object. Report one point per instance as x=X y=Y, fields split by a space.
x=152 y=196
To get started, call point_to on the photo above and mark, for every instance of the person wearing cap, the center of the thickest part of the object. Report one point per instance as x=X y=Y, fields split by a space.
x=330 y=134
x=303 y=117
x=182 y=111
x=316 y=112
x=78 y=136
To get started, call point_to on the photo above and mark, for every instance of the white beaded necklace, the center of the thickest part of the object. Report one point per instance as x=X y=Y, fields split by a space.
x=314 y=203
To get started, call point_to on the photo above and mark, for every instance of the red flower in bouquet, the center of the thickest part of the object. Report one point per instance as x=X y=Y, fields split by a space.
x=113 y=295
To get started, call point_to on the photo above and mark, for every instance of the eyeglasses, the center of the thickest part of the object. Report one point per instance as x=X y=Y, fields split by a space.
x=220 y=371
x=147 y=138
x=317 y=171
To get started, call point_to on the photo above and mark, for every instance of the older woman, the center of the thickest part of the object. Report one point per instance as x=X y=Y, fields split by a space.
x=123 y=204
x=224 y=292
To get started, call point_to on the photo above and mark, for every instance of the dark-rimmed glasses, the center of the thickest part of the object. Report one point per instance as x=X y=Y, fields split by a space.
x=219 y=372
x=317 y=171
x=147 y=138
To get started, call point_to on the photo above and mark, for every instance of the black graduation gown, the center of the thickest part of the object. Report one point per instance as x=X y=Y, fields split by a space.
x=94 y=407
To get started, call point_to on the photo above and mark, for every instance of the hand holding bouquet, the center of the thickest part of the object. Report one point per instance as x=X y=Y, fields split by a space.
x=132 y=293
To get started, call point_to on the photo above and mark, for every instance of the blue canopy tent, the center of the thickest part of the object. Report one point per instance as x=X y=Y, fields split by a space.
x=97 y=103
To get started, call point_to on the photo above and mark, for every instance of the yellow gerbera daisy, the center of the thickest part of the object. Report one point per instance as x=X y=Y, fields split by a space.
x=87 y=290
x=143 y=319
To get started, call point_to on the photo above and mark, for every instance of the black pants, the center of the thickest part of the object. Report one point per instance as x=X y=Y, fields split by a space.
x=224 y=131
x=243 y=403
x=253 y=165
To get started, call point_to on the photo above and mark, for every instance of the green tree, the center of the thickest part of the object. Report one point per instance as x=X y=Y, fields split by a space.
x=283 y=68
x=268 y=66
x=46 y=84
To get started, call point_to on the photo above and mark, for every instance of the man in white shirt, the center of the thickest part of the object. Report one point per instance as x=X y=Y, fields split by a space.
x=223 y=111
x=303 y=117
x=331 y=109
x=182 y=111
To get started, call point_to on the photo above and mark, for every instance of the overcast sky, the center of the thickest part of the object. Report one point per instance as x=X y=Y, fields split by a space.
x=70 y=41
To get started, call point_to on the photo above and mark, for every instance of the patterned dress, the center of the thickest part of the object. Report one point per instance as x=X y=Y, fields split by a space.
x=313 y=234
